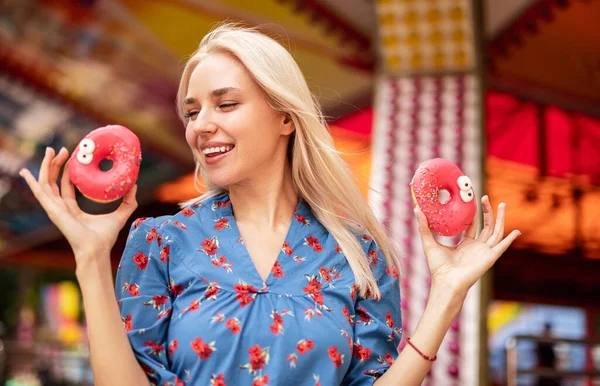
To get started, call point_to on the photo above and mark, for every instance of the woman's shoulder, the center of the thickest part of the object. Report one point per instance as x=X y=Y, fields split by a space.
x=189 y=216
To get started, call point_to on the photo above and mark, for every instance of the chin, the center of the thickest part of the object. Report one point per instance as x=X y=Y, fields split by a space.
x=221 y=179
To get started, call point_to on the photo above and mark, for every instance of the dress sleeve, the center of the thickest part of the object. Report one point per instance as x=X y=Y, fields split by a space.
x=378 y=325
x=143 y=293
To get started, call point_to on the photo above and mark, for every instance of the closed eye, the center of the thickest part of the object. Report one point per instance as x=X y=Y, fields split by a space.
x=227 y=105
x=190 y=114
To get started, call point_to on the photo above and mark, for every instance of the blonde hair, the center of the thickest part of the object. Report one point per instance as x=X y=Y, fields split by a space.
x=319 y=174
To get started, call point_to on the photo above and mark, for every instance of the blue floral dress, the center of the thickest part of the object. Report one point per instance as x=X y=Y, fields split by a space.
x=197 y=312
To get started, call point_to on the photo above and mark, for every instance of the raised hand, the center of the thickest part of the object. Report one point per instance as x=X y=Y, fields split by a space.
x=459 y=267
x=87 y=234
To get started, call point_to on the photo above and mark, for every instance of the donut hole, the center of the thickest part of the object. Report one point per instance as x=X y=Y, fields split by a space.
x=106 y=164
x=443 y=196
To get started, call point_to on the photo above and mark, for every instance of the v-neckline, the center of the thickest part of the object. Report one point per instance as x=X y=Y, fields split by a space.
x=245 y=254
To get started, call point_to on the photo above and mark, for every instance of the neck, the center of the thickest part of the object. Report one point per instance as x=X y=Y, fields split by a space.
x=268 y=201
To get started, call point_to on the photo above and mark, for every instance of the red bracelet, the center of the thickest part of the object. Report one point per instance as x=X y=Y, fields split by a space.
x=419 y=351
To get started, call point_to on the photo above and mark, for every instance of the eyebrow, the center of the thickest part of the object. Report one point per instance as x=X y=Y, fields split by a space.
x=214 y=94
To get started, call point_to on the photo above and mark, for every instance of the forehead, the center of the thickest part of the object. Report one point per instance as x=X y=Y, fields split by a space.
x=217 y=71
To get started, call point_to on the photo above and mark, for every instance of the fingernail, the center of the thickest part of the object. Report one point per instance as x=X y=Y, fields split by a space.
x=22 y=172
x=47 y=150
x=519 y=233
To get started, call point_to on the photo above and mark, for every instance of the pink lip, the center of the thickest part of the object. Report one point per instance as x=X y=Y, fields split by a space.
x=217 y=158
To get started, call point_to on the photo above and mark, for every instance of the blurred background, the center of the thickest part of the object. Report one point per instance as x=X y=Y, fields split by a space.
x=507 y=89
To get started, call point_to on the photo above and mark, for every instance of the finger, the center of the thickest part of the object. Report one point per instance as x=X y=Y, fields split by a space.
x=37 y=190
x=68 y=190
x=32 y=183
x=471 y=231
x=43 y=177
x=128 y=205
x=426 y=236
x=488 y=219
x=498 y=227
x=55 y=166
x=503 y=245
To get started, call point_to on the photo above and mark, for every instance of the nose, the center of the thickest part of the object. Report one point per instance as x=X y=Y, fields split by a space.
x=203 y=125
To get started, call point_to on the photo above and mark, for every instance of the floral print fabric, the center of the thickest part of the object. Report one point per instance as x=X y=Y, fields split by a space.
x=197 y=312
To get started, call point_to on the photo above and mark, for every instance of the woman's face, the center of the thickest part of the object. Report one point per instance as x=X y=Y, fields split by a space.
x=231 y=128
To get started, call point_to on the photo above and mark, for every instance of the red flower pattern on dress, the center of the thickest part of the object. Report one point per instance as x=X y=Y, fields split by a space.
x=336 y=357
x=133 y=289
x=258 y=358
x=194 y=305
x=210 y=246
x=151 y=236
x=277 y=270
x=157 y=301
x=217 y=380
x=127 y=322
x=187 y=212
x=324 y=272
x=173 y=346
x=360 y=352
x=353 y=291
x=304 y=345
x=222 y=223
x=155 y=348
x=165 y=253
x=204 y=350
x=338 y=249
x=233 y=324
x=287 y=249
x=277 y=326
x=136 y=223
x=211 y=291
x=373 y=257
x=393 y=272
x=141 y=260
x=293 y=359
x=246 y=293
x=313 y=242
x=364 y=316
x=180 y=225
x=261 y=380
x=176 y=289
x=178 y=382
x=220 y=204
x=302 y=220
x=349 y=317
x=313 y=289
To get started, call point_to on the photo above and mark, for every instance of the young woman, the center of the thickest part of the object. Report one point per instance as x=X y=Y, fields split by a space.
x=279 y=274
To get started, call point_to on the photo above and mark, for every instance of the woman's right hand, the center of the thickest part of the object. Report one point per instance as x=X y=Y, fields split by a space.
x=88 y=235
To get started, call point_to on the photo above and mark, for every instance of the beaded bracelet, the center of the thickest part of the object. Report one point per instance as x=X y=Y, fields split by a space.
x=419 y=351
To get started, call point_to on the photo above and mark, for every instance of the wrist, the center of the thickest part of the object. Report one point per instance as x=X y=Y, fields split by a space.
x=92 y=263
x=445 y=299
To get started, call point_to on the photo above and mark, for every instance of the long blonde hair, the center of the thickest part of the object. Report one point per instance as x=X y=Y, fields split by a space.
x=319 y=174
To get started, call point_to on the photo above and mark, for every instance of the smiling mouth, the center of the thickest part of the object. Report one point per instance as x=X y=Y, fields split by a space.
x=217 y=151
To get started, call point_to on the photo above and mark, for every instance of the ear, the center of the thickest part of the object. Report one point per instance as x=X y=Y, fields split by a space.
x=287 y=127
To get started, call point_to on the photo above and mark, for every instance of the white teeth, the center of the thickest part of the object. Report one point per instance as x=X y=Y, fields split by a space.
x=221 y=149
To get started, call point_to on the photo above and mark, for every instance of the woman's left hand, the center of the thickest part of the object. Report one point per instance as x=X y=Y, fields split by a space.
x=458 y=268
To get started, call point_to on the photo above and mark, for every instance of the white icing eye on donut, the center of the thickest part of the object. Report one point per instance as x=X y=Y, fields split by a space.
x=85 y=158
x=464 y=183
x=467 y=195
x=87 y=146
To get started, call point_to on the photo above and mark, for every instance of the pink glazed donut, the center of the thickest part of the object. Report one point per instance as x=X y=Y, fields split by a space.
x=116 y=143
x=454 y=215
